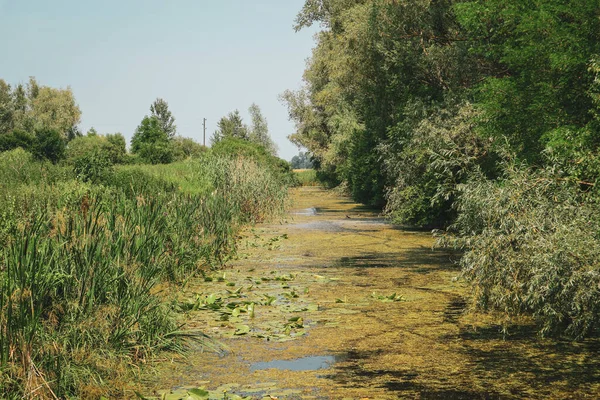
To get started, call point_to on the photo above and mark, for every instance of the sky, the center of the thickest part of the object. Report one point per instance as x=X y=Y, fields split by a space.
x=206 y=58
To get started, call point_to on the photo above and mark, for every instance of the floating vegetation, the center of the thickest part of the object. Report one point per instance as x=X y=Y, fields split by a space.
x=396 y=319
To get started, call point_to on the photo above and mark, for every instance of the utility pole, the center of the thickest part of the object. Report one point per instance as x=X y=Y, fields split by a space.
x=204 y=128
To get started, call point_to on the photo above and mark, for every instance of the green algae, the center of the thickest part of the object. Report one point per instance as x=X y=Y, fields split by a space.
x=340 y=281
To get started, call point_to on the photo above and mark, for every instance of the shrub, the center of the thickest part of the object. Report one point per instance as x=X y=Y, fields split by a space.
x=184 y=148
x=442 y=152
x=136 y=180
x=234 y=148
x=532 y=247
x=49 y=145
x=16 y=139
x=93 y=167
x=111 y=146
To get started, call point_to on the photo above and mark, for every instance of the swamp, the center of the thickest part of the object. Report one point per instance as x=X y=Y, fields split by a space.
x=411 y=212
x=334 y=302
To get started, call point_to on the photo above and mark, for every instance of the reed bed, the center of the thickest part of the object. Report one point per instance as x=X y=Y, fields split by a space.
x=84 y=269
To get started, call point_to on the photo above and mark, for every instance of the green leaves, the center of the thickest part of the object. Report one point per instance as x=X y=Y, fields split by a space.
x=151 y=142
x=394 y=297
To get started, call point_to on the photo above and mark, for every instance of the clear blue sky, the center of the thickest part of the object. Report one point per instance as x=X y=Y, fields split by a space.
x=205 y=58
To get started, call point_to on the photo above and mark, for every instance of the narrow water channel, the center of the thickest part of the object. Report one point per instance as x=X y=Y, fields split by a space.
x=335 y=303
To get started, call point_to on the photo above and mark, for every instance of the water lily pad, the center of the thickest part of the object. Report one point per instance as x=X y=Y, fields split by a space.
x=242 y=330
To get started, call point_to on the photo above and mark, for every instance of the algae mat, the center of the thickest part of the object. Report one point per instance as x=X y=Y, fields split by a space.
x=335 y=303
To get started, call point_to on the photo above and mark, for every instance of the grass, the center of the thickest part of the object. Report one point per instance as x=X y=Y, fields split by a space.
x=307 y=177
x=86 y=270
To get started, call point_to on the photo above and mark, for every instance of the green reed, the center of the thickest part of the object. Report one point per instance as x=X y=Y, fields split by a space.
x=85 y=269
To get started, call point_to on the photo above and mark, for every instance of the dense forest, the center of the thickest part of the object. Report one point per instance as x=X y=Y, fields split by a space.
x=478 y=118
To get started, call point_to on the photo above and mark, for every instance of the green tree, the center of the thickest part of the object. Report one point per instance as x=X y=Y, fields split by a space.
x=6 y=108
x=160 y=110
x=118 y=147
x=259 y=130
x=151 y=142
x=53 y=109
x=231 y=126
x=49 y=145
x=302 y=161
x=16 y=138
x=538 y=56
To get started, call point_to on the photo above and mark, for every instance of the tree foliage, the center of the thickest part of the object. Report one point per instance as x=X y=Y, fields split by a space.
x=230 y=126
x=160 y=110
x=302 y=161
x=259 y=130
x=151 y=143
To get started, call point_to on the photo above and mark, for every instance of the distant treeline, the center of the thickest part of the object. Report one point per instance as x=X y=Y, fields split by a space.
x=478 y=117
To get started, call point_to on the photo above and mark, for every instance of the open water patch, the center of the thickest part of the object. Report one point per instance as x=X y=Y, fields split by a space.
x=310 y=212
x=314 y=363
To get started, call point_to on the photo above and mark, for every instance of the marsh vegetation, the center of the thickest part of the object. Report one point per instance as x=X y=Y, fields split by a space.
x=151 y=270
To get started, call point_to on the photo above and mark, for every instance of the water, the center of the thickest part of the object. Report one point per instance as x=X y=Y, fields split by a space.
x=301 y=364
x=312 y=211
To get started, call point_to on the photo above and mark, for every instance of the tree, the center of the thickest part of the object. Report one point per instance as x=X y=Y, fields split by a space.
x=230 y=126
x=15 y=139
x=6 y=108
x=49 y=144
x=118 y=147
x=259 y=130
x=537 y=56
x=92 y=132
x=151 y=142
x=302 y=161
x=160 y=110
x=54 y=110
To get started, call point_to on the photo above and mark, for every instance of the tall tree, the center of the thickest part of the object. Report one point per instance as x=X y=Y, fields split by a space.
x=259 y=130
x=21 y=108
x=231 y=126
x=166 y=120
x=55 y=110
x=151 y=142
x=6 y=108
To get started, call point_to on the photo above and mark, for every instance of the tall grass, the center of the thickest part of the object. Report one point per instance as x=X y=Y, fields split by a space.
x=307 y=177
x=81 y=265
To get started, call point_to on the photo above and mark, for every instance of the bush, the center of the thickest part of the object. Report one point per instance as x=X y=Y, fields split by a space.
x=18 y=167
x=442 y=152
x=93 y=167
x=49 y=145
x=184 y=148
x=16 y=139
x=112 y=147
x=234 y=148
x=532 y=247
x=136 y=180
x=306 y=177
